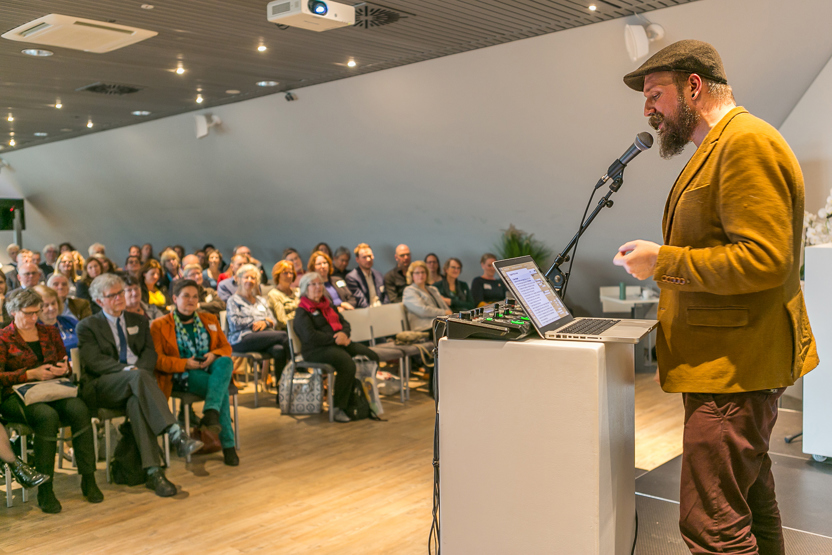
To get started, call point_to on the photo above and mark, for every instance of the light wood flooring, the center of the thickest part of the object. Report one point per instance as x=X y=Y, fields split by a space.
x=304 y=486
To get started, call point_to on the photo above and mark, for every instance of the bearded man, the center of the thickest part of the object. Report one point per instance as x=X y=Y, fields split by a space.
x=733 y=330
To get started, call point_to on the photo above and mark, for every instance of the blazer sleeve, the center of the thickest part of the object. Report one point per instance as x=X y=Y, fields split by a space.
x=415 y=302
x=9 y=376
x=355 y=288
x=754 y=198
x=167 y=351
x=94 y=360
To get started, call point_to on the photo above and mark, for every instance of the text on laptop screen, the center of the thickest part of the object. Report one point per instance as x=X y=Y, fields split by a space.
x=545 y=306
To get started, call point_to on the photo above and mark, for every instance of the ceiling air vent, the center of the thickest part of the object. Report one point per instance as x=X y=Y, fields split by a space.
x=77 y=33
x=110 y=88
x=367 y=17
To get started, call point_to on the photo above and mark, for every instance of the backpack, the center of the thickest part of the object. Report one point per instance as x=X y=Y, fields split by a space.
x=126 y=466
x=359 y=406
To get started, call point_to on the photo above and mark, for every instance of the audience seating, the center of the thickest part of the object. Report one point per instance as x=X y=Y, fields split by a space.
x=188 y=399
x=296 y=361
x=23 y=431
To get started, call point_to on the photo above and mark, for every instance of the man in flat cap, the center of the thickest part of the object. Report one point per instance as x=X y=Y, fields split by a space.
x=733 y=330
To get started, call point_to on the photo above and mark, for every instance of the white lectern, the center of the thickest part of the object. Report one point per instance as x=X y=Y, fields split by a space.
x=817 y=384
x=536 y=447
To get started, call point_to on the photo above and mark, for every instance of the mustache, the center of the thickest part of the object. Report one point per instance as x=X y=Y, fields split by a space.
x=656 y=120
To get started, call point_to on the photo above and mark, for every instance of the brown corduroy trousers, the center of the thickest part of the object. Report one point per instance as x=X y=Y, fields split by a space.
x=727 y=502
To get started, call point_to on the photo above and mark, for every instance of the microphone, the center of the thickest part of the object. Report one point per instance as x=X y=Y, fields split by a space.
x=644 y=140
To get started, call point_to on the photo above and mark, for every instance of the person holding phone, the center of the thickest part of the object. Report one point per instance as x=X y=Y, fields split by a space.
x=193 y=355
x=31 y=352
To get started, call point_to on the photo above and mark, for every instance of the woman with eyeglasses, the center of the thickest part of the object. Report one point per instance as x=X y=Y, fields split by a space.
x=422 y=301
x=456 y=292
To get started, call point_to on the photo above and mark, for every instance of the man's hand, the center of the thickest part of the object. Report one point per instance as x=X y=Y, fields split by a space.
x=209 y=360
x=638 y=258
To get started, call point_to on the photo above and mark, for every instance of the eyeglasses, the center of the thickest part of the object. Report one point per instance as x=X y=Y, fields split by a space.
x=114 y=295
x=29 y=313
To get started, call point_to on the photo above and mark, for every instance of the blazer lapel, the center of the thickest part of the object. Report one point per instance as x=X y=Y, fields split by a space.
x=692 y=168
x=104 y=329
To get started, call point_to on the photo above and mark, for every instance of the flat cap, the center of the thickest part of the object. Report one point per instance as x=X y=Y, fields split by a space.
x=689 y=56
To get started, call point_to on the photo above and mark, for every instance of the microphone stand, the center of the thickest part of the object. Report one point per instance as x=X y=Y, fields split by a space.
x=559 y=279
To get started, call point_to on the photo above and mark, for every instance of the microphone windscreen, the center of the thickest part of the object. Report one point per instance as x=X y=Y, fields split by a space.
x=644 y=140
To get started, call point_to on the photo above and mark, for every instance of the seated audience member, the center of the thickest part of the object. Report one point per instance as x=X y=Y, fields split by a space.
x=422 y=301
x=340 y=261
x=75 y=308
x=147 y=252
x=203 y=258
x=292 y=256
x=395 y=280
x=211 y=274
x=133 y=266
x=434 y=275
x=324 y=248
x=135 y=250
x=152 y=292
x=107 y=265
x=45 y=269
x=365 y=283
x=31 y=352
x=336 y=289
x=180 y=251
x=209 y=301
x=66 y=247
x=228 y=287
x=65 y=266
x=51 y=315
x=50 y=256
x=13 y=250
x=245 y=251
x=80 y=264
x=485 y=289
x=251 y=322
x=23 y=255
x=92 y=269
x=7 y=319
x=23 y=474
x=29 y=274
x=325 y=337
x=119 y=360
x=283 y=299
x=135 y=304
x=194 y=357
x=455 y=291
x=170 y=268
x=97 y=248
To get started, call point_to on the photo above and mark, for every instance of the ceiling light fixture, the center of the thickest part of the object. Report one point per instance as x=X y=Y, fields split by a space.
x=199 y=99
x=261 y=48
x=592 y=7
x=232 y=91
x=141 y=113
x=12 y=143
x=267 y=83
x=11 y=117
x=89 y=124
x=180 y=70
x=637 y=39
x=351 y=63
x=41 y=134
x=58 y=105
x=36 y=52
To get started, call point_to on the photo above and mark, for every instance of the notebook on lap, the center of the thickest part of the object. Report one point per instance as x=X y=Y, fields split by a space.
x=549 y=315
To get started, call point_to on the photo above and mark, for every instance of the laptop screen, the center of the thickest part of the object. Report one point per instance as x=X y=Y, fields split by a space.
x=533 y=291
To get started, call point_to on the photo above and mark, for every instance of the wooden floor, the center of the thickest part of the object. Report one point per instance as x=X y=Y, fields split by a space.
x=303 y=486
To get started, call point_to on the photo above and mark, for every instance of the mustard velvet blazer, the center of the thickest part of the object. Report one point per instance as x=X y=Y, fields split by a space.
x=731 y=313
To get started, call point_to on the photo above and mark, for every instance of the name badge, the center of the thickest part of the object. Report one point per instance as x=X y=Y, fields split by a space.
x=381 y=289
x=340 y=283
x=261 y=308
x=212 y=327
x=486 y=286
x=209 y=298
x=317 y=312
x=132 y=330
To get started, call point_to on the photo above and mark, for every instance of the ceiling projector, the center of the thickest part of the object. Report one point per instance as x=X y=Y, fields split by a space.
x=315 y=15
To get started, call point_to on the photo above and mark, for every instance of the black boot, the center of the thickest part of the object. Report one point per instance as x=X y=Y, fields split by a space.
x=211 y=421
x=229 y=454
x=27 y=476
x=47 y=501
x=90 y=489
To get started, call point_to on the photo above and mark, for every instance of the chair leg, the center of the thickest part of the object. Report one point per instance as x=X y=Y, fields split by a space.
x=187 y=408
x=8 y=485
x=403 y=378
x=24 y=456
x=167 y=450
x=61 y=439
x=256 y=368
x=330 y=395
x=94 y=423
x=107 y=450
x=236 y=424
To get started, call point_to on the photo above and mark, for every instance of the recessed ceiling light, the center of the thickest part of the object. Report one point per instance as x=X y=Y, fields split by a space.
x=12 y=143
x=36 y=52
x=232 y=91
x=351 y=63
x=261 y=48
x=41 y=134
x=592 y=7
x=147 y=6
x=11 y=134
x=89 y=124
x=141 y=113
x=199 y=99
x=267 y=83
x=66 y=129
x=58 y=105
x=180 y=70
x=11 y=117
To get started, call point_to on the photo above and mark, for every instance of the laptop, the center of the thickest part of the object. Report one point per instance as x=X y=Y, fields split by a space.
x=549 y=315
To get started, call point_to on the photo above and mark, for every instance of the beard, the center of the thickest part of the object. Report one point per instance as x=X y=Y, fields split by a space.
x=678 y=129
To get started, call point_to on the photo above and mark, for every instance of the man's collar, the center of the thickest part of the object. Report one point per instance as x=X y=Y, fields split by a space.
x=110 y=317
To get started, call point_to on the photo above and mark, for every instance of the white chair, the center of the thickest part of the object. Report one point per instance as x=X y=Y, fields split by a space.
x=361 y=329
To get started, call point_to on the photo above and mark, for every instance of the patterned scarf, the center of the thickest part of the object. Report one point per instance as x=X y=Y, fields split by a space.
x=187 y=349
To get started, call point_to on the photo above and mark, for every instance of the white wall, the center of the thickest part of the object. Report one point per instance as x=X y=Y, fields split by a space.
x=440 y=155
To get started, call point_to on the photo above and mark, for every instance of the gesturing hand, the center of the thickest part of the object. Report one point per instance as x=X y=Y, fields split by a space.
x=638 y=258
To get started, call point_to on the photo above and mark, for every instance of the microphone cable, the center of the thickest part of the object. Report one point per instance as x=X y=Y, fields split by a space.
x=440 y=329
x=575 y=250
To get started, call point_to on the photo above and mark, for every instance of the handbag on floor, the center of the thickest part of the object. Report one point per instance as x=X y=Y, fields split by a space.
x=300 y=392
x=46 y=390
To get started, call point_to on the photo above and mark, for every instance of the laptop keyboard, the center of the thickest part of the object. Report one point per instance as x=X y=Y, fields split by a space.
x=589 y=326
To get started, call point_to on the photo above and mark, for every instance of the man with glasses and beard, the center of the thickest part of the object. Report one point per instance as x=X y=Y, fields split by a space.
x=733 y=331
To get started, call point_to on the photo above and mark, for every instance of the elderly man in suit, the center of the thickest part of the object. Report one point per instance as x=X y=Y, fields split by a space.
x=733 y=331
x=366 y=283
x=119 y=360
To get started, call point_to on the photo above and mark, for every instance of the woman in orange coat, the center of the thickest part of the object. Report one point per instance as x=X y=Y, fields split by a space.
x=194 y=357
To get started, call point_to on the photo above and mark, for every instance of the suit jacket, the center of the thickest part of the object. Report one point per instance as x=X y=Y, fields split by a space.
x=168 y=362
x=16 y=356
x=80 y=308
x=731 y=313
x=99 y=354
x=423 y=306
x=358 y=286
x=343 y=290
x=209 y=301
